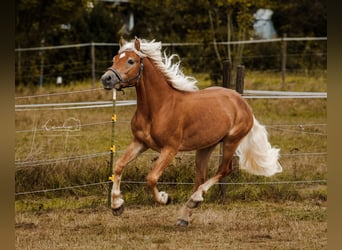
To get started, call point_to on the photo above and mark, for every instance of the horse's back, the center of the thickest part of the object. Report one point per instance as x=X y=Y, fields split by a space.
x=228 y=99
x=213 y=113
x=232 y=103
x=215 y=90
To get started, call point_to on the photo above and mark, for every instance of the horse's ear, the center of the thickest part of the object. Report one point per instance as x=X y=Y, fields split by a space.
x=122 y=41
x=137 y=44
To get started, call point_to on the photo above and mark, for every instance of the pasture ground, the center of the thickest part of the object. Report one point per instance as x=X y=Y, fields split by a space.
x=237 y=225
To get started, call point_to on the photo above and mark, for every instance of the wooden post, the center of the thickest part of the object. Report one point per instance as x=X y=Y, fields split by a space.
x=240 y=72
x=92 y=50
x=283 y=60
x=226 y=83
x=227 y=72
x=19 y=67
x=41 y=54
x=240 y=75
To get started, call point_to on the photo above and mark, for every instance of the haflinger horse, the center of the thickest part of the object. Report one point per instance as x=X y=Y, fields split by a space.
x=173 y=115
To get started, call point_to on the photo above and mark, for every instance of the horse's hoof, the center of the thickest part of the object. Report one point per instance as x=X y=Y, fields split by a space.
x=168 y=200
x=164 y=198
x=182 y=223
x=192 y=204
x=118 y=211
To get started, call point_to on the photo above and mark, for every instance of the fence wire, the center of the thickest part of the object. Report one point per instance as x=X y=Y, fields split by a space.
x=175 y=184
x=281 y=127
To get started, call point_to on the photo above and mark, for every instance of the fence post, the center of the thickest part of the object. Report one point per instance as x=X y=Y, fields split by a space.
x=227 y=72
x=240 y=85
x=240 y=72
x=19 y=67
x=226 y=83
x=41 y=53
x=112 y=151
x=283 y=60
x=92 y=50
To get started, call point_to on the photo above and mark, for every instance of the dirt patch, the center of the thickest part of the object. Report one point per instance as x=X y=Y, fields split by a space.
x=24 y=225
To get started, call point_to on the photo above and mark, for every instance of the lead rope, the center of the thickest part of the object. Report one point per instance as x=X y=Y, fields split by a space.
x=112 y=151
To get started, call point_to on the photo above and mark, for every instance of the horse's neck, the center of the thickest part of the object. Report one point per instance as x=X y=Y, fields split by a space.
x=153 y=91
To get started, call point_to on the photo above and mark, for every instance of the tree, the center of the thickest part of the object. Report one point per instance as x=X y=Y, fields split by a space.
x=208 y=22
x=300 y=17
x=37 y=20
x=58 y=22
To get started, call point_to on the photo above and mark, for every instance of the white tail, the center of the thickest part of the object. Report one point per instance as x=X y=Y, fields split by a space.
x=256 y=153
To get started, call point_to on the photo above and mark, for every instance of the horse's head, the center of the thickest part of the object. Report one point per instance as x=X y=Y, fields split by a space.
x=126 y=69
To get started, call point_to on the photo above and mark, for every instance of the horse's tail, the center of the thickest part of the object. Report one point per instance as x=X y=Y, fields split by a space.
x=256 y=154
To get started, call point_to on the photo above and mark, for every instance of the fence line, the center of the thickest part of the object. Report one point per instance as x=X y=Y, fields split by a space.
x=54 y=47
x=75 y=105
x=26 y=164
x=27 y=107
x=56 y=94
x=248 y=94
x=175 y=183
x=22 y=164
x=275 y=126
x=298 y=125
x=177 y=44
x=291 y=130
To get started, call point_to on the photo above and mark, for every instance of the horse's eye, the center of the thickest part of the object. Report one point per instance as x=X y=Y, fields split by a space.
x=131 y=61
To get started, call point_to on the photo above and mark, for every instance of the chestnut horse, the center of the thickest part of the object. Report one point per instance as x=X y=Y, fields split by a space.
x=173 y=115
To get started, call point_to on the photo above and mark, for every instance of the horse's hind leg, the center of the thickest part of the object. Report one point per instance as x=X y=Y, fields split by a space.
x=224 y=169
x=201 y=161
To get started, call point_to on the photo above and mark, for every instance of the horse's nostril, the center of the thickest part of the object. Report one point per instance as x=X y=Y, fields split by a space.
x=109 y=78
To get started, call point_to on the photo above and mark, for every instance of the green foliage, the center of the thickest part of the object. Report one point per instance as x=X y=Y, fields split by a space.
x=37 y=20
x=40 y=23
x=300 y=17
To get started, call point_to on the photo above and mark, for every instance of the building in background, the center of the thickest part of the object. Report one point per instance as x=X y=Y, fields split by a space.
x=263 y=25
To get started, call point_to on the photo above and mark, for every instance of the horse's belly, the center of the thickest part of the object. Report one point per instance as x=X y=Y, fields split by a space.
x=201 y=139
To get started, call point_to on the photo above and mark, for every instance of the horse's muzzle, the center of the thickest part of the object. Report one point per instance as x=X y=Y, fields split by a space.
x=110 y=80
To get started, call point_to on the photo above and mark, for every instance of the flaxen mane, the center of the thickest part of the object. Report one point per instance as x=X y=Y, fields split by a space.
x=172 y=71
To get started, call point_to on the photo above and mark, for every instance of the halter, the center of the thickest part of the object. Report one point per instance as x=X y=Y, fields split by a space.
x=121 y=81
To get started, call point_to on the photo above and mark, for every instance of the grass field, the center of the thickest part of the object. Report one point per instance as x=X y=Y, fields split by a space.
x=284 y=216
x=239 y=225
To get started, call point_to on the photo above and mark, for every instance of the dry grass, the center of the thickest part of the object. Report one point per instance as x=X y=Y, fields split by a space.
x=257 y=225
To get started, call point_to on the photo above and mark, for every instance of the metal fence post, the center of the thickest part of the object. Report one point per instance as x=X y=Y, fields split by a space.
x=112 y=150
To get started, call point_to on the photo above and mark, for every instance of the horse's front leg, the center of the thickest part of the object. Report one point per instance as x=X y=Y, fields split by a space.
x=165 y=158
x=134 y=149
